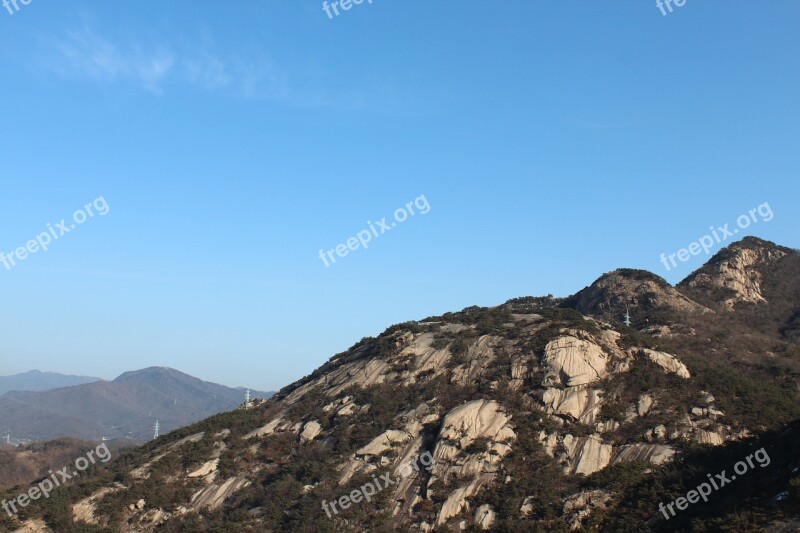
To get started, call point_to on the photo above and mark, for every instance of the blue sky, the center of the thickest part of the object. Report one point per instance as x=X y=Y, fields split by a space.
x=231 y=141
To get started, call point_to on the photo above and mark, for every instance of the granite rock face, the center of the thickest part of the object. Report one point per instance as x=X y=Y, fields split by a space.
x=573 y=361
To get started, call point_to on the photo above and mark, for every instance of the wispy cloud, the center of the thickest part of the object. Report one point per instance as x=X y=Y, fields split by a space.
x=208 y=71
x=86 y=54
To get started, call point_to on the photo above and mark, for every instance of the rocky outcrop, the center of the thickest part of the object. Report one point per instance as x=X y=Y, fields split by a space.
x=310 y=431
x=36 y=525
x=394 y=448
x=549 y=442
x=713 y=438
x=415 y=355
x=84 y=510
x=273 y=426
x=143 y=471
x=478 y=357
x=384 y=442
x=645 y=404
x=666 y=361
x=527 y=506
x=658 y=433
x=576 y=403
x=453 y=459
x=479 y=419
x=586 y=455
x=206 y=469
x=579 y=507
x=457 y=500
x=341 y=407
x=484 y=517
x=212 y=496
x=151 y=519
x=653 y=453
x=606 y=426
x=574 y=361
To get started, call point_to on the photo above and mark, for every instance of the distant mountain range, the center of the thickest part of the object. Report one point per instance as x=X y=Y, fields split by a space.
x=40 y=381
x=126 y=407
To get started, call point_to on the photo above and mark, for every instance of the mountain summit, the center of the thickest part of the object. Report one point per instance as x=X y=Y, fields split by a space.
x=739 y=274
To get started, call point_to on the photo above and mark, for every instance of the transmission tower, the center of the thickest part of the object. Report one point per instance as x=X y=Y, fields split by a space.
x=156 y=426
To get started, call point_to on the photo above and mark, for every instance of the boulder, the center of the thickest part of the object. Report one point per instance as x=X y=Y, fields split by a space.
x=527 y=507
x=484 y=517
x=645 y=404
x=310 y=431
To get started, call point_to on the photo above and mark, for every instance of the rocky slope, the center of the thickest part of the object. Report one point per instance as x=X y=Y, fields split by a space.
x=537 y=415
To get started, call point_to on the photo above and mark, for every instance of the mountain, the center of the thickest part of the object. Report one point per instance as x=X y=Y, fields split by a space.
x=40 y=381
x=757 y=279
x=539 y=414
x=126 y=407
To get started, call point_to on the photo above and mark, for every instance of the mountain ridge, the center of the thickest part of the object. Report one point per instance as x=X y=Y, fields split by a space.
x=126 y=407
x=540 y=414
x=36 y=380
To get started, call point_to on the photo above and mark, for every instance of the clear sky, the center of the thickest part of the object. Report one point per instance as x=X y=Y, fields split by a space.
x=231 y=141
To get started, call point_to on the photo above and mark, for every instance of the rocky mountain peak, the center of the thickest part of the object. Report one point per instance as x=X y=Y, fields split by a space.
x=735 y=275
x=644 y=291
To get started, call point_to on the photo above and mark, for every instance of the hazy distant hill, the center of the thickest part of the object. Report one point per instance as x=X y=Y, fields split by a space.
x=125 y=407
x=41 y=381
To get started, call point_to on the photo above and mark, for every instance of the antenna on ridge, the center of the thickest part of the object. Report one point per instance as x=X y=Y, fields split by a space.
x=247 y=399
x=627 y=316
x=156 y=426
